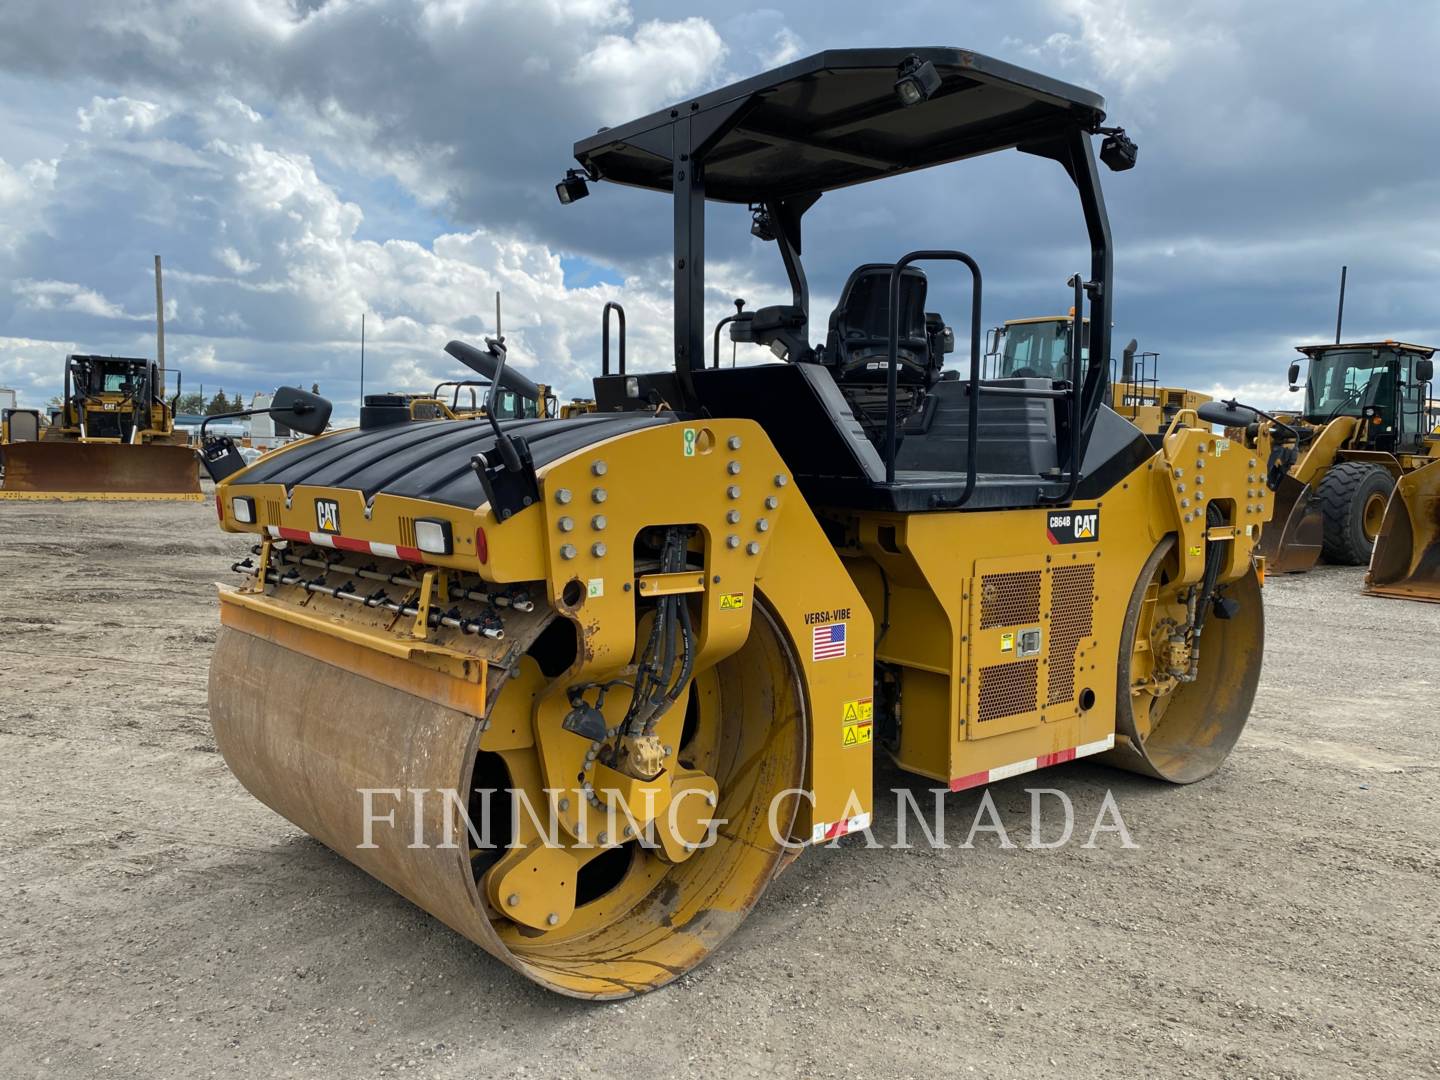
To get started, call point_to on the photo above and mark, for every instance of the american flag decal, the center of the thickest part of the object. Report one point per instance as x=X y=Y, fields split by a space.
x=827 y=642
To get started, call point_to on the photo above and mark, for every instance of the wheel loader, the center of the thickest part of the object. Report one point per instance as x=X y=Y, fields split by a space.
x=1406 y=559
x=1363 y=426
x=113 y=438
x=582 y=687
x=1021 y=348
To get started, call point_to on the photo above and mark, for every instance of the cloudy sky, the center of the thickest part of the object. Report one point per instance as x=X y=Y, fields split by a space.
x=299 y=162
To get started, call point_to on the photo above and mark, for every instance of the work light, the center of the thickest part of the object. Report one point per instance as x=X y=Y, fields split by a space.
x=917 y=81
x=433 y=535
x=573 y=188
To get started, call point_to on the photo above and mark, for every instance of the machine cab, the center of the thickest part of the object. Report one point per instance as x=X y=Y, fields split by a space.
x=1384 y=385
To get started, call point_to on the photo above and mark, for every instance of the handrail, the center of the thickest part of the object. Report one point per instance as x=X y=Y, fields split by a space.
x=974 y=389
x=891 y=375
x=611 y=305
x=715 y=351
x=1075 y=405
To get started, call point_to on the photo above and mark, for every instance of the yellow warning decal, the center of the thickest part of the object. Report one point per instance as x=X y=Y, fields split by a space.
x=1196 y=551
x=1007 y=642
x=732 y=601
x=1221 y=445
x=857 y=722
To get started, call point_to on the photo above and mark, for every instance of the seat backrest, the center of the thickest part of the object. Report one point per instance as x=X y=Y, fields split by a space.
x=857 y=347
x=803 y=412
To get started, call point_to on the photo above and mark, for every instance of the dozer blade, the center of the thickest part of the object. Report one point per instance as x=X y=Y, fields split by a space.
x=1406 y=559
x=1290 y=542
x=74 y=470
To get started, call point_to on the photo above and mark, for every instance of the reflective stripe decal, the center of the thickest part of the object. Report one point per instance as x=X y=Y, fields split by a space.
x=1019 y=768
x=344 y=543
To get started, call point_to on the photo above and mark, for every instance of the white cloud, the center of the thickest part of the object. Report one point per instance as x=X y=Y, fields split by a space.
x=661 y=62
x=69 y=296
x=235 y=262
x=118 y=117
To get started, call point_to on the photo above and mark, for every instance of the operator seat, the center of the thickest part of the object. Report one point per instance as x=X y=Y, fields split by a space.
x=857 y=348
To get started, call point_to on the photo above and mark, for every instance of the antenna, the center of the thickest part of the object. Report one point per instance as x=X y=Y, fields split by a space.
x=362 y=358
x=1340 y=315
x=159 y=326
x=499 y=332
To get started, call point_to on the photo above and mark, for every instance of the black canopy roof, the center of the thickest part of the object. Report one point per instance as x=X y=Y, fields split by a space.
x=833 y=119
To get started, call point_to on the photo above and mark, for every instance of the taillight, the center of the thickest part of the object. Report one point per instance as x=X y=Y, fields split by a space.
x=482 y=546
x=219 y=508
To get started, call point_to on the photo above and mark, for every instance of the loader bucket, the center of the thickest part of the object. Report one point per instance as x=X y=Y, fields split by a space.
x=75 y=470
x=1290 y=543
x=1406 y=559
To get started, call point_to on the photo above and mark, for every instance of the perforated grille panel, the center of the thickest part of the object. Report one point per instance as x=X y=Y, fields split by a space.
x=1009 y=599
x=1072 y=610
x=1007 y=689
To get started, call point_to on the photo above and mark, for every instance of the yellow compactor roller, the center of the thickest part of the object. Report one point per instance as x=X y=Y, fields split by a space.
x=113 y=438
x=581 y=687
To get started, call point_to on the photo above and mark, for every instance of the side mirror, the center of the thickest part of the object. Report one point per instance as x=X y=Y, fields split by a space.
x=1226 y=415
x=300 y=410
x=1424 y=371
x=1294 y=375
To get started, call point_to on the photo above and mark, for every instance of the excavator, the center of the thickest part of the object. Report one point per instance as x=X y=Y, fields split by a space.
x=582 y=687
x=1026 y=347
x=113 y=438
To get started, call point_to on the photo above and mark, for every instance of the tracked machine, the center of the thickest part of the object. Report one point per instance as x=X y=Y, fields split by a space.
x=582 y=687
x=113 y=438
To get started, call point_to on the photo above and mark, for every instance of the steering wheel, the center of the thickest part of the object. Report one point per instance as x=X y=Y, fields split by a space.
x=1352 y=394
x=1025 y=373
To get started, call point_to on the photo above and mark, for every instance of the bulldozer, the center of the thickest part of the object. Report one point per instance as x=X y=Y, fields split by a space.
x=582 y=687
x=114 y=437
x=1026 y=347
x=1363 y=426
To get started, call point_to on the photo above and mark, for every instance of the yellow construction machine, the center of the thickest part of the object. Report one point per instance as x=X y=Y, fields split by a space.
x=1363 y=426
x=460 y=399
x=582 y=687
x=113 y=438
x=1038 y=345
x=1406 y=559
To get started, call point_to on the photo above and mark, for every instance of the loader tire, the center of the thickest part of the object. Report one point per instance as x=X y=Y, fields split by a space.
x=1352 y=499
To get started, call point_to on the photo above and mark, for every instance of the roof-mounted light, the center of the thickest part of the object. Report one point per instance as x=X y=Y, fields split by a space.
x=916 y=81
x=1118 y=151
x=761 y=227
x=573 y=188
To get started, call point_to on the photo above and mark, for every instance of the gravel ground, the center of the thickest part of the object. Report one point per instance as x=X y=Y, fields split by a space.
x=1279 y=919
